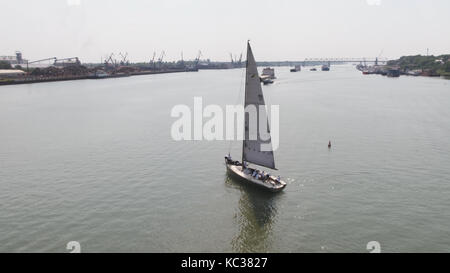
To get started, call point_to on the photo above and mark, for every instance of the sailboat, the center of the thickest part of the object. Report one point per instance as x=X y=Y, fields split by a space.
x=251 y=148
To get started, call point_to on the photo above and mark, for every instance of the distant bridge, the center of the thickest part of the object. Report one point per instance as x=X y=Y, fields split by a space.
x=345 y=60
x=320 y=61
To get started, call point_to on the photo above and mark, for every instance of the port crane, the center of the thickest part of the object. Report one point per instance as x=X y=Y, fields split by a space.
x=235 y=60
x=109 y=61
x=197 y=60
x=152 y=61
x=160 y=59
x=124 y=58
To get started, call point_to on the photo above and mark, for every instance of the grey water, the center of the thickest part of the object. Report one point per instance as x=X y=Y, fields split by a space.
x=93 y=161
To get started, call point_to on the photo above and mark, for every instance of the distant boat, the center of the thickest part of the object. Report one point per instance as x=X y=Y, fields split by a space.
x=100 y=74
x=325 y=67
x=270 y=72
x=313 y=69
x=251 y=149
x=296 y=68
x=266 y=80
x=393 y=73
x=361 y=67
x=413 y=72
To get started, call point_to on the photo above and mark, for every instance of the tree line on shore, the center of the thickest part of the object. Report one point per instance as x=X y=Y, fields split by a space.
x=437 y=65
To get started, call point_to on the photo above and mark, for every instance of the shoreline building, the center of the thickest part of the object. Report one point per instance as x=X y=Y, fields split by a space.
x=14 y=60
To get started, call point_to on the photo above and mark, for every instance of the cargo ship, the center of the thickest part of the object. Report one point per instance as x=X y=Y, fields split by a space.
x=296 y=68
x=268 y=72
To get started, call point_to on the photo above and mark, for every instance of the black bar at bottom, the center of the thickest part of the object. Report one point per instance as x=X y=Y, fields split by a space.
x=221 y=262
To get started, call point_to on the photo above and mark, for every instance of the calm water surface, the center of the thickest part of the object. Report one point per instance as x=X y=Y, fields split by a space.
x=93 y=161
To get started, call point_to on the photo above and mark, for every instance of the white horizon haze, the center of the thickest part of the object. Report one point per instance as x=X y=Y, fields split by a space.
x=279 y=30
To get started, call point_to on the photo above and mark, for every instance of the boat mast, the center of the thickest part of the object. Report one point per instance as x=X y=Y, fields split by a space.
x=245 y=92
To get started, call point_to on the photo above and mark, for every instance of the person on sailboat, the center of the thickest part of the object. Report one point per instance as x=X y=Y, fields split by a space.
x=263 y=175
x=228 y=158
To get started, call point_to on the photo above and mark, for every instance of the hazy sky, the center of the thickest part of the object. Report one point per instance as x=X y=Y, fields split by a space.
x=278 y=29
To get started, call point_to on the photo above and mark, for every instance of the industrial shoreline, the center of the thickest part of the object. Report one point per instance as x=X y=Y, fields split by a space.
x=16 y=70
x=28 y=79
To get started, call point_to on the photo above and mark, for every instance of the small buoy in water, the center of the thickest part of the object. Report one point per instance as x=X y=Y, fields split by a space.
x=329 y=144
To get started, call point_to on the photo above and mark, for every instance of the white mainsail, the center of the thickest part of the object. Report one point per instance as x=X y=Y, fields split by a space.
x=251 y=150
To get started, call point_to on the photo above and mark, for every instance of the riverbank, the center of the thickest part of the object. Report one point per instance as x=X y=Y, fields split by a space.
x=429 y=66
x=38 y=79
x=419 y=65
